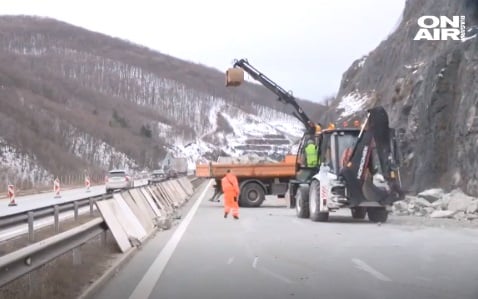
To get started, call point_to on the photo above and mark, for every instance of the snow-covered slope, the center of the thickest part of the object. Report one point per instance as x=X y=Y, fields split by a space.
x=270 y=133
x=16 y=166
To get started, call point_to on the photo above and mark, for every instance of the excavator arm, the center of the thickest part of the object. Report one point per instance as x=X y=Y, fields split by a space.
x=284 y=96
x=375 y=138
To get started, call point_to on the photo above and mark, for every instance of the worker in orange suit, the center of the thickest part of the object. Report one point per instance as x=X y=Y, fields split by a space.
x=230 y=188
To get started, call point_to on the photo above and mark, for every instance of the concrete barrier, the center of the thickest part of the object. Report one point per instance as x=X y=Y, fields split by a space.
x=136 y=213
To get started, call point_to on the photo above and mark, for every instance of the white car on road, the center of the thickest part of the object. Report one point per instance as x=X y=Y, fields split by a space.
x=118 y=179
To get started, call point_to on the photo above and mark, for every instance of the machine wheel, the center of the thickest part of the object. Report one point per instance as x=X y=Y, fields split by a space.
x=291 y=200
x=314 y=203
x=301 y=202
x=358 y=213
x=252 y=195
x=377 y=215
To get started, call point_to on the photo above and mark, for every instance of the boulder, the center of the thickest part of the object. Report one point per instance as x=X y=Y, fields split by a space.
x=432 y=195
x=442 y=214
x=439 y=204
x=472 y=207
x=471 y=216
x=422 y=202
x=459 y=215
x=400 y=208
x=458 y=201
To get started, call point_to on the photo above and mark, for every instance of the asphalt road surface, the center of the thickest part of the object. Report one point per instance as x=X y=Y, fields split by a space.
x=35 y=201
x=269 y=253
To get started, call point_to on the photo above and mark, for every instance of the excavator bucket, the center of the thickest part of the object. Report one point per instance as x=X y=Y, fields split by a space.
x=234 y=76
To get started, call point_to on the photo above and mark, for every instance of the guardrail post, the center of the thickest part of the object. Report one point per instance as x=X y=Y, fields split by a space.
x=75 y=211
x=31 y=231
x=33 y=281
x=77 y=256
x=103 y=238
x=92 y=202
x=56 y=214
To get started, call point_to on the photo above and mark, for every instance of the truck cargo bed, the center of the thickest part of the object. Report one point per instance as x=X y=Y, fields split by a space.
x=284 y=169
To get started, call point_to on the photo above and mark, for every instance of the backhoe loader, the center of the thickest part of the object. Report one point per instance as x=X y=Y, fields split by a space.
x=359 y=166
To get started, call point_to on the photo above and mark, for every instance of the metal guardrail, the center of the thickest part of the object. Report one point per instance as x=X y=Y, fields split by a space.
x=54 y=210
x=49 y=210
x=29 y=258
x=25 y=260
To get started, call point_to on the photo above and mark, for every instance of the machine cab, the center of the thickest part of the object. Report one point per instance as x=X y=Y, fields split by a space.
x=336 y=147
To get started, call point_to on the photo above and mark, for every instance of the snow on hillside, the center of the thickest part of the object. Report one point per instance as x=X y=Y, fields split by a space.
x=248 y=125
x=20 y=166
x=98 y=151
x=269 y=126
x=164 y=130
x=352 y=103
x=362 y=61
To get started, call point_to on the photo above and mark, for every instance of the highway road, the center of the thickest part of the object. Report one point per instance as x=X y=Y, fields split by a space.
x=35 y=201
x=269 y=253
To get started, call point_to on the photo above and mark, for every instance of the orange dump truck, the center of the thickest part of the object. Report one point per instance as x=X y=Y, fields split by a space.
x=256 y=180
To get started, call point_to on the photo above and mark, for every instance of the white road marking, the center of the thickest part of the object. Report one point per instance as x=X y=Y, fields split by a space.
x=230 y=260
x=365 y=267
x=145 y=286
x=254 y=263
x=275 y=275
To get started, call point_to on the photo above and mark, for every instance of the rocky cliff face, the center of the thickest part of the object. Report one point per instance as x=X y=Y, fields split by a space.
x=429 y=89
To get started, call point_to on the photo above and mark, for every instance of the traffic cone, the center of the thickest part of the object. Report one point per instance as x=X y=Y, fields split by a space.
x=11 y=196
x=87 y=183
x=56 y=188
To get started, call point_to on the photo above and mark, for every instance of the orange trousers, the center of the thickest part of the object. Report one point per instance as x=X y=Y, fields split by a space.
x=231 y=206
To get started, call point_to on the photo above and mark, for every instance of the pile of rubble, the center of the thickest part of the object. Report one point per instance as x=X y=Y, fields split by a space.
x=246 y=159
x=435 y=203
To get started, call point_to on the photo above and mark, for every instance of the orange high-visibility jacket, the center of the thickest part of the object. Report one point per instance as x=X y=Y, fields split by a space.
x=230 y=184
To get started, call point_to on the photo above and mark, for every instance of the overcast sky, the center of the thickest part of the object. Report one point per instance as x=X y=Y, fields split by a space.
x=304 y=45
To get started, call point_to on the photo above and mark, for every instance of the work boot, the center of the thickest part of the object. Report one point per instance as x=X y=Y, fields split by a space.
x=236 y=217
x=225 y=215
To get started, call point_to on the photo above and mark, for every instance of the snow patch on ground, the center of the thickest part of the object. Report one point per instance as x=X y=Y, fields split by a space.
x=245 y=126
x=468 y=38
x=362 y=61
x=414 y=67
x=351 y=103
x=164 y=130
x=15 y=166
x=84 y=145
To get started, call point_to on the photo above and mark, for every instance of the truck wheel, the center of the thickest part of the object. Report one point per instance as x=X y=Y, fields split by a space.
x=252 y=195
x=358 y=213
x=314 y=203
x=291 y=200
x=302 y=202
x=377 y=215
